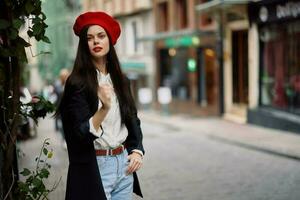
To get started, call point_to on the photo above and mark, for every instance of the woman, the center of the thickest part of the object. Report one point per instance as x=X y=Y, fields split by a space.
x=99 y=117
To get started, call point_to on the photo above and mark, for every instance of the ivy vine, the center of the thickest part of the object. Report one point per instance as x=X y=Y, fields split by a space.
x=22 y=12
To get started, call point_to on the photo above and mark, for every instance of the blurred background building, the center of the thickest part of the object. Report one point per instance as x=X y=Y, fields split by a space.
x=62 y=50
x=238 y=59
x=275 y=26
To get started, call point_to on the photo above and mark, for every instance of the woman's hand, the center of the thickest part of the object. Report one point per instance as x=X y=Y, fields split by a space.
x=135 y=162
x=105 y=95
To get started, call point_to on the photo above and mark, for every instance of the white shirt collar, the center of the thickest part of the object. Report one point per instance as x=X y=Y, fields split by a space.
x=103 y=78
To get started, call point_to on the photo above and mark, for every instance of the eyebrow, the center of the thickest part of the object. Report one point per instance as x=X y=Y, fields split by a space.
x=96 y=33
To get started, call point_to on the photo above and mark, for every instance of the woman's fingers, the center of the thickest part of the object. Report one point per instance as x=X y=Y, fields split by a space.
x=105 y=94
x=134 y=164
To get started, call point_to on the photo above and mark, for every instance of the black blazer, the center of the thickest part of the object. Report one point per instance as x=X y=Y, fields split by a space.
x=84 y=180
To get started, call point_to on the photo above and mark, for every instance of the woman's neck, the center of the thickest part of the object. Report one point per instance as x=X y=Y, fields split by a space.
x=100 y=65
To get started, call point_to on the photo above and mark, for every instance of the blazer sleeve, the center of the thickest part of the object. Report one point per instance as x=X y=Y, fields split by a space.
x=135 y=135
x=76 y=113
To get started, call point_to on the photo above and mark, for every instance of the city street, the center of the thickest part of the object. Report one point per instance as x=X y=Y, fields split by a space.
x=185 y=164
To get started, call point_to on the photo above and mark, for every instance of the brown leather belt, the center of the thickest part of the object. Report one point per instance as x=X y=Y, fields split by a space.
x=110 y=152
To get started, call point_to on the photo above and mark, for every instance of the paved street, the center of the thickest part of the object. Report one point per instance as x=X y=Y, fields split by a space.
x=196 y=163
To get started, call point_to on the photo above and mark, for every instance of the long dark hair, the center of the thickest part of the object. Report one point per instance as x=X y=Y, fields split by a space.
x=84 y=75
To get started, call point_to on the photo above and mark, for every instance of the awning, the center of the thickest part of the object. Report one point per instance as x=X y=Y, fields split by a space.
x=215 y=4
x=172 y=34
x=133 y=66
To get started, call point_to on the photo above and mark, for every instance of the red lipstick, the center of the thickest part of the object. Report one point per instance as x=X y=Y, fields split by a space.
x=97 y=49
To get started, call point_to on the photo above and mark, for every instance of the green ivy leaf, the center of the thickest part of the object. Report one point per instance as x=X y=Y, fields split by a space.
x=25 y=172
x=43 y=16
x=44 y=173
x=17 y=23
x=36 y=182
x=23 y=187
x=50 y=154
x=29 y=33
x=29 y=7
x=36 y=20
x=45 y=151
x=46 y=39
x=4 y=24
x=29 y=179
x=37 y=28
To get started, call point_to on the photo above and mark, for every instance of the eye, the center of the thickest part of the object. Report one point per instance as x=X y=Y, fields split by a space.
x=89 y=38
x=101 y=36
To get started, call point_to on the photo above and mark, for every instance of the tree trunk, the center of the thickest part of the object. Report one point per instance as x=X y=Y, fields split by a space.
x=10 y=94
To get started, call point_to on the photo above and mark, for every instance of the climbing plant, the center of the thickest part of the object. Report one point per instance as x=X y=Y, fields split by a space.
x=15 y=16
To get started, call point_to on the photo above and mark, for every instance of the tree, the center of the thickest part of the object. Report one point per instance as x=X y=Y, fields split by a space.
x=13 y=16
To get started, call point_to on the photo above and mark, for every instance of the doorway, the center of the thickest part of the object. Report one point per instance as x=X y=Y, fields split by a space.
x=240 y=67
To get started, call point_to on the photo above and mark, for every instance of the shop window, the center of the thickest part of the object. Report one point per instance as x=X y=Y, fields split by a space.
x=174 y=73
x=280 y=66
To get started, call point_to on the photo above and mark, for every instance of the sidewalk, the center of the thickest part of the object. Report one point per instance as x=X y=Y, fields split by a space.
x=281 y=143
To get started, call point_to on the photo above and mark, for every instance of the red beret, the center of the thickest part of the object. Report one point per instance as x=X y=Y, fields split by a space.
x=110 y=25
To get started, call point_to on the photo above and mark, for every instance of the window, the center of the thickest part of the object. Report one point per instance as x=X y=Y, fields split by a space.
x=163 y=17
x=181 y=14
x=134 y=30
x=280 y=66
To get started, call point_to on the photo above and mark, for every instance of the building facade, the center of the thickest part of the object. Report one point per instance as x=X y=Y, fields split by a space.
x=276 y=25
x=186 y=57
x=258 y=55
x=62 y=50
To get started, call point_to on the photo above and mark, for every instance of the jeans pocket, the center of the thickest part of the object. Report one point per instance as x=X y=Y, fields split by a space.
x=126 y=160
x=101 y=161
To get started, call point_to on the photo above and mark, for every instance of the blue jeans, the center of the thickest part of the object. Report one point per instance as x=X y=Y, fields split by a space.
x=117 y=185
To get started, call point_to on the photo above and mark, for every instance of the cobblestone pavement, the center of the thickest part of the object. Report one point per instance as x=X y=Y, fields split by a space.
x=196 y=159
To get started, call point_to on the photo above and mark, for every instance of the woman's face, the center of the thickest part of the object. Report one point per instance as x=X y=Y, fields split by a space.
x=98 y=41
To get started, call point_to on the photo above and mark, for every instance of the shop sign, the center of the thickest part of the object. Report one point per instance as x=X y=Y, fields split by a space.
x=192 y=66
x=184 y=41
x=273 y=12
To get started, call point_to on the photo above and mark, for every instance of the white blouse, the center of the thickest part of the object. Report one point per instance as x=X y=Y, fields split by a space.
x=113 y=134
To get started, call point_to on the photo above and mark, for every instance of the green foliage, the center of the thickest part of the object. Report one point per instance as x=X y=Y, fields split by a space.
x=33 y=188
x=20 y=15
x=37 y=108
x=22 y=11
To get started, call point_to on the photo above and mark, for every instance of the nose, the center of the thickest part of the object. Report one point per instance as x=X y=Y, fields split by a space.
x=96 y=40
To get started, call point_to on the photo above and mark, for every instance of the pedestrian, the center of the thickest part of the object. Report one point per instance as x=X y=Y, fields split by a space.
x=99 y=117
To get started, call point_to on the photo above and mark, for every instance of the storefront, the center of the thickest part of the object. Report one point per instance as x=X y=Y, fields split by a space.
x=231 y=43
x=187 y=65
x=278 y=25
